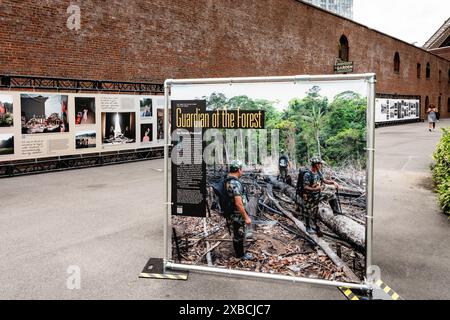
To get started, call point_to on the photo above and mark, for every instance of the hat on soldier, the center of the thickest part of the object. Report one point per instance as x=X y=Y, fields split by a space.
x=316 y=160
x=235 y=165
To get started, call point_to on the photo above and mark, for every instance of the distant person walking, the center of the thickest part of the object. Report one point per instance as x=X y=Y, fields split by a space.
x=432 y=117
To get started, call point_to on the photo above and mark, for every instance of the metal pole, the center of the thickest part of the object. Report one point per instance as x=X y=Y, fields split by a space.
x=249 y=274
x=167 y=199
x=370 y=173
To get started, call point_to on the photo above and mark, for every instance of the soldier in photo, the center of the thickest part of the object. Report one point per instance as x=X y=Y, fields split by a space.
x=283 y=166
x=314 y=193
x=239 y=217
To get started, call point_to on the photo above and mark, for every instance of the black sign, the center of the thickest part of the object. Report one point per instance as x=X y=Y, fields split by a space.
x=188 y=166
x=343 y=67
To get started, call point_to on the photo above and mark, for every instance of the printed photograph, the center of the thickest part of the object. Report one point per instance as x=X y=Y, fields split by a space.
x=6 y=144
x=160 y=124
x=118 y=128
x=146 y=133
x=396 y=109
x=85 y=139
x=302 y=212
x=43 y=113
x=6 y=110
x=84 y=110
x=146 y=107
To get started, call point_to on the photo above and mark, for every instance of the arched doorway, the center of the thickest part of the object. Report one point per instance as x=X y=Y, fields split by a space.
x=344 y=48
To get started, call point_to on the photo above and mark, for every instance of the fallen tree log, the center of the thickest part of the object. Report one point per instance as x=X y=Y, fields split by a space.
x=320 y=242
x=346 y=228
x=252 y=206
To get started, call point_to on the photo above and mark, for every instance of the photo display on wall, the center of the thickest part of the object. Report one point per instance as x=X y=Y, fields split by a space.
x=42 y=124
x=390 y=108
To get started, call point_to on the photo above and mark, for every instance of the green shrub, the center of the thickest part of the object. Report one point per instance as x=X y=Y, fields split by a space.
x=441 y=171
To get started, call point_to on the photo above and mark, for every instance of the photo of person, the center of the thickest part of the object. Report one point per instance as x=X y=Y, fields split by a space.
x=44 y=113
x=84 y=110
x=146 y=107
x=118 y=128
x=160 y=124
x=6 y=144
x=85 y=139
x=6 y=110
x=146 y=133
x=282 y=213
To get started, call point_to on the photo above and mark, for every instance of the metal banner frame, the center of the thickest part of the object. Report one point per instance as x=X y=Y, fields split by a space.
x=370 y=79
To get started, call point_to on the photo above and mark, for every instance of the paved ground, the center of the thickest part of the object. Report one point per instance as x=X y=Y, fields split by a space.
x=412 y=237
x=108 y=221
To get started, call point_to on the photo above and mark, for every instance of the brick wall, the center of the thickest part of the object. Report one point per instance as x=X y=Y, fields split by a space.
x=158 y=39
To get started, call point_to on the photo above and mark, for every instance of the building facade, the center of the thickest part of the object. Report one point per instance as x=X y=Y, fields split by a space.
x=160 y=39
x=340 y=7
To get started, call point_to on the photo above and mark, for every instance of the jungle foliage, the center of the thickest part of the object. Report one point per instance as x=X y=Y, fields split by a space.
x=312 y=126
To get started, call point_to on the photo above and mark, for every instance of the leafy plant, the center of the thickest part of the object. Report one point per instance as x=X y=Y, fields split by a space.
x=6 y=120
x=441 y=171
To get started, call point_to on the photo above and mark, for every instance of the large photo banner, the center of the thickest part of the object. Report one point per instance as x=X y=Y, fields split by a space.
x=271 y=177
x=37 y=125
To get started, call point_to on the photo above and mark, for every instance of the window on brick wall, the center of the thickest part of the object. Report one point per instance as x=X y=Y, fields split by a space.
x=397 y=62
x=428 y=71
x=427 y=102
x=440 y=75
x=419 y=70
x=439 y=102
x=448 y=104
x=343 y=48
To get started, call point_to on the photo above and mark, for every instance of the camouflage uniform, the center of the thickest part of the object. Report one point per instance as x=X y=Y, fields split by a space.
x=235 y=189
x=312 y=199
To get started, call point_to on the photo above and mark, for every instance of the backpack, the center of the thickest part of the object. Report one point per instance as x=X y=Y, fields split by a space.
x=225 y=203
x=301 y=180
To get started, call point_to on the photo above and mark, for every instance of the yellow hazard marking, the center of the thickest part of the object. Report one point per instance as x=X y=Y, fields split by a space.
x=349 y=294
x=388 y=290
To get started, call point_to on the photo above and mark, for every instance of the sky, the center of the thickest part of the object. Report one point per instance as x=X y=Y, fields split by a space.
x=279 y=93
x=53 y=105
x=6 y=98
x=407 y=20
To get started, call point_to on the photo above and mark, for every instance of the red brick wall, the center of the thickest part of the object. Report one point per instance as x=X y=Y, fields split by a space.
x=158 y=39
